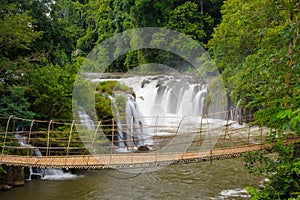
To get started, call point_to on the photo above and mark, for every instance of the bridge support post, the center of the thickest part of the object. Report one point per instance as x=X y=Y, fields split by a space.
x=5 y=136
x=131 y=132
x=261 y=139
x=95 y=134
x=30 y=130
x=112 y=139
x=48 y=139
x=70 y=137
x=248 y=139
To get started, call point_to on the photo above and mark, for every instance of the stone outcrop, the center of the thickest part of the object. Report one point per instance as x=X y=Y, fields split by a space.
x=13 y=177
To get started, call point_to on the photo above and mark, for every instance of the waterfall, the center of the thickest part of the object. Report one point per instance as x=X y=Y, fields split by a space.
x=49 y=173
x=86 y=120
x=34 y=151
x=130 y=122
x=173 y=95
x=158 y=101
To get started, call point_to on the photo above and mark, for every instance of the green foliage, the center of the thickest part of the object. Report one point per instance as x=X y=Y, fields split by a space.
x=17 y=37
x=281 y=173
x=105 y=18
x=291 y=118
x=256 y=47
x=188 y=19
x=252 y=47
x=107 y=87
x=103 y=104
x=268 y=117
x=2 y=170
x=15 y=103
x=50 y=91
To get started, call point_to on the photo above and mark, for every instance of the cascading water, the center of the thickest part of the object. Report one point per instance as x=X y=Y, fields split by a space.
x=155 y=99
x=130 y=124
x=164 y=100
x=49 y=173
x=173 y=96
x=37 y=172
x=160 y=106
x=86 y=120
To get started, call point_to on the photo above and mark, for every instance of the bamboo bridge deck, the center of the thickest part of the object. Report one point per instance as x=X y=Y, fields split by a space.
x=63 y=147
x=130 y=160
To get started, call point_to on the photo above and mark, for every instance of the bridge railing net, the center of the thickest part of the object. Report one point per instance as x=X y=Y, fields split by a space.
x=66 y=138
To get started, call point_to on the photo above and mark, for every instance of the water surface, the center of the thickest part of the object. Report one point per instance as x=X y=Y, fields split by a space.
x=223 y=179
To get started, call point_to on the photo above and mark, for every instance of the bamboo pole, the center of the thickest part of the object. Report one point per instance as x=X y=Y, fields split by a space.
x=48 y=139
x=70 y=137
x=179 y=124
x=112 y=139
x=95 y=134
x=131 y=132
x=261 y=143
x=248 y=140
x=30 y=130
x=6 y=130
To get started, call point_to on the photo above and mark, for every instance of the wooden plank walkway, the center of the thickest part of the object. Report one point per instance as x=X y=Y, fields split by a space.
x=129 y=160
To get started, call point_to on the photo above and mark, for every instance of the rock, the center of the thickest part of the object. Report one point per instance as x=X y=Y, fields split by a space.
x=36 y=176
x=18 y=174
x=159 y=83
x=143 y=148
x=5 y=187
x=13 y=177
x=158 y=77
x=18 y=183
x=144 y=82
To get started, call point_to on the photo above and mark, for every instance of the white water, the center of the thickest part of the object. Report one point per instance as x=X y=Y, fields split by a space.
x=48 y=174
x=167 y=96
x=86 y=120
x=165 y=100
x=130 y=124
x=233 y=193
x=160 y=106
x=58 y=174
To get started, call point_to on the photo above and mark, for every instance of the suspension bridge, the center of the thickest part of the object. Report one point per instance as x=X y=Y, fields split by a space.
x=52 y=144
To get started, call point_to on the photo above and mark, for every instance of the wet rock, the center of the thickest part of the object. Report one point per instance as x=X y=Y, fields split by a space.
x=13 y=177
x=18 y=183
x=36 y=176
x=159 y=83
x=158 y=77
x=143 y=148
x=144 y=82
x=5 y=187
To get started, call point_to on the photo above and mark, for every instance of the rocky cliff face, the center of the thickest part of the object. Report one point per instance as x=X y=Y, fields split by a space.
x=13 y=177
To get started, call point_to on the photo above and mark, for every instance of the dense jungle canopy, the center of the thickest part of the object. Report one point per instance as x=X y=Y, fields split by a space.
x=43 y=43
x=255 y=44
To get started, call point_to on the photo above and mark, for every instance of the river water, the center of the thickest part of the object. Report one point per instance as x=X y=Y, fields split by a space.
x=223 y=179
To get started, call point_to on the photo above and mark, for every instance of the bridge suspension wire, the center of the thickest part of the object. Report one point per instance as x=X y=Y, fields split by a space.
x=62 y=146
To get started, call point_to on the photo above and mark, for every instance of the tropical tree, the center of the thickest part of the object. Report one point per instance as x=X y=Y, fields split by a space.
x=50 y=91
x=17 y=36
x=256 y=47
x=15 y=103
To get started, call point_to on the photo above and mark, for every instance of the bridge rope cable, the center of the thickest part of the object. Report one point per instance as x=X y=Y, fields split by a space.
x=64 y=146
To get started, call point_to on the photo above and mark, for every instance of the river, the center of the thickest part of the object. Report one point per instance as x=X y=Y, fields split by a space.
x=223 y=179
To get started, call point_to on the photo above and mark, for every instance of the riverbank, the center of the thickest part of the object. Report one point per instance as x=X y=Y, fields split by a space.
x=12 y=177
